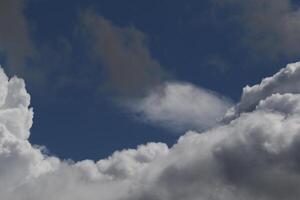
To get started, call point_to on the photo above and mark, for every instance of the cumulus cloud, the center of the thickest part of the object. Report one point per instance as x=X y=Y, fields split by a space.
x=181 y=107
x=15 y=41
x=285 y=81
x=270 y=27
x=130 y=68
x=255 y=156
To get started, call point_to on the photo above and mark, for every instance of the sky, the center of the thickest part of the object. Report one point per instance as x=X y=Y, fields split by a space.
x=155 y=99
x=82 y=61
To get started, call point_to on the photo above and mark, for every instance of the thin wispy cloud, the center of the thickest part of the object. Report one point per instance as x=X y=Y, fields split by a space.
x=15 y=39
x=270 y=28
x=141 y=83
x=131 y=70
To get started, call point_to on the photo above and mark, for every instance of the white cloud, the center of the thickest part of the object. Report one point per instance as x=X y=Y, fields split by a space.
x=181 y=107
x=285 y=81
x=253 y=157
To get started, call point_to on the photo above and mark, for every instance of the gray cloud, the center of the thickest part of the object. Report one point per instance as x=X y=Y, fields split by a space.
x=15 y=40
x=130 y=68
x=254 y=157
x=270 y=27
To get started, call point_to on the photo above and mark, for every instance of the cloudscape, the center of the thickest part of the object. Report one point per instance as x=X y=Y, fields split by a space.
x=140 y=100
x=254 y=155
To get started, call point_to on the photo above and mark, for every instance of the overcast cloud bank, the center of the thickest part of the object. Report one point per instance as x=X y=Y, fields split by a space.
x=254 y=156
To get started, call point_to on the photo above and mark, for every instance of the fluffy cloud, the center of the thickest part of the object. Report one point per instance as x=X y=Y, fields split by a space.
x=181 y=107
x=285 y=81
x=255 y=156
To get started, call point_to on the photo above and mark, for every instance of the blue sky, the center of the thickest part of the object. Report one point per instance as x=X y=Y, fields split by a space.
x=157 y=100
x=77 y=91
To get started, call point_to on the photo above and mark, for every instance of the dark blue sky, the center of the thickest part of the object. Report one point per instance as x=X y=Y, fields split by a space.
x=218 y=47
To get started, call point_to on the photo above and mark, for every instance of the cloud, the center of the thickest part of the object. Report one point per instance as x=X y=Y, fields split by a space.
x=255 y=156
x=140 y=80
x=181 y=107
x=15 y=41
x=270 y=27
x=128 y=63
x=285 y=81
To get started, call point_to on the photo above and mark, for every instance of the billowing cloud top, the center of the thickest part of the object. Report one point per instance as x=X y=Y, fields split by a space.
x=285 y=81
x=254 y=156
